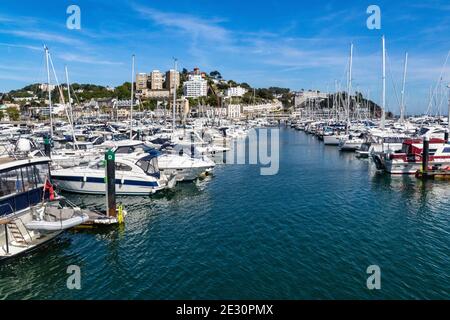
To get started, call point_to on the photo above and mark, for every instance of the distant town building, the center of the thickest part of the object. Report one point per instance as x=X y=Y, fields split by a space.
x=156 y=80
x=216 y=112
x=197 y=72
x=172 y=80
x=236 y=91
x=149 y=94
x=106 y=102
x=45 y=86
x=32 y=98
x=141 y=81
x=122 y=113
x=302 y=97
x=195 y=87
x=259 y=109
x=234 y=111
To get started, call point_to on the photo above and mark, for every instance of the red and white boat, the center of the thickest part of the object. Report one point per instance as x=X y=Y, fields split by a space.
x=409 y=159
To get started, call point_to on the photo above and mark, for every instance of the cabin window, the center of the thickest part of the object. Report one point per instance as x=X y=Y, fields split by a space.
x=446 y=150
x=144 y=165
x=122 y=167
x=149 y=166
x=10 y=182
x=406 y=148
x=41 y=173
x=123 y=150
x=99 y=165
x=29 y=180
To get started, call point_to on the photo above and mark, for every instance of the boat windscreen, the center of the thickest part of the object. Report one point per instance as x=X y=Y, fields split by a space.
x=150 y=166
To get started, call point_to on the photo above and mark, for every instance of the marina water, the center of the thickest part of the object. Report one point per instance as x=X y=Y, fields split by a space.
x=309 y=232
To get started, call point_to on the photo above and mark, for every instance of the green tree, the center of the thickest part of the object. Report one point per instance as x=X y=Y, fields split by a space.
x=212 y=100
x=180 y=92
x=123 y=91
x=215 y=75
x=13 y=113
x=149 y=104
x=245 y=85
x=1 y=115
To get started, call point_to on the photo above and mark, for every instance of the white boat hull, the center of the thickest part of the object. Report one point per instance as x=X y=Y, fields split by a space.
x=100 y=187
x=333 y=140
x=57 y=225
x=397 y=167
x=350 y=145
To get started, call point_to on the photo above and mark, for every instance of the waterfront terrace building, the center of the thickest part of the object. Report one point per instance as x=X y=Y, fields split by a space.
x=195 y=87
x=149 y=94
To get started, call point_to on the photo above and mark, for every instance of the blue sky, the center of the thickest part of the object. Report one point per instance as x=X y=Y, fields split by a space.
x=295 y=44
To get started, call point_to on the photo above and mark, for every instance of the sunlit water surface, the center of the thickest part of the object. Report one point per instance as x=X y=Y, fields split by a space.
x=309 y=232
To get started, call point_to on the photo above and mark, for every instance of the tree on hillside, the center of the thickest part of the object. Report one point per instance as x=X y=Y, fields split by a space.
x=2 y=115
x=123 y=91
x=264 y=93
x=13 y=113
x=245 y=85
x=184 y=75
x=150 y=104
x=232 y=83
x=215 y=75
x=247 y=98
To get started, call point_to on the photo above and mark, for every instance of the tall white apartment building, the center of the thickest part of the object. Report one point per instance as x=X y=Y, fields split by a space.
x=195 y=87
x=156 y=80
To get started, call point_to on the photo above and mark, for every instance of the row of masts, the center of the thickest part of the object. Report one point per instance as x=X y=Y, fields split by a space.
x=383 y=96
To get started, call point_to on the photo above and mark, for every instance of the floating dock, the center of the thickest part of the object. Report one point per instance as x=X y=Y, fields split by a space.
x=433 y=174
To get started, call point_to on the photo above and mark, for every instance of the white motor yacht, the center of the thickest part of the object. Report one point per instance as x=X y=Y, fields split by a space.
x=133 y=175
x=29 y=214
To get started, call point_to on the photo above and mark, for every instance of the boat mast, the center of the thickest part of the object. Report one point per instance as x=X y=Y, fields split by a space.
x=383 y=98
x=402 y=105
x=349 y=87
x=132 y=94
x=49 y=91
x=70 y=113
x=448 y=111
x=174 y=108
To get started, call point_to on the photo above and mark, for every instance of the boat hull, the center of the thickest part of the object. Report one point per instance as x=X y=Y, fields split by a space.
x=397 y=167
x=333 y=140
x=96 y=185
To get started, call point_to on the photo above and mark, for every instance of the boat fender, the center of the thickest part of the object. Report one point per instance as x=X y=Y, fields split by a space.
x=84 y=178
x=122 y=181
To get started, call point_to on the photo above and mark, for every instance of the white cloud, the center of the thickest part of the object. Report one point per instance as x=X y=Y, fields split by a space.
x=86 y=59
x=43 y=36
x=191 y=25
x=23 y=46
